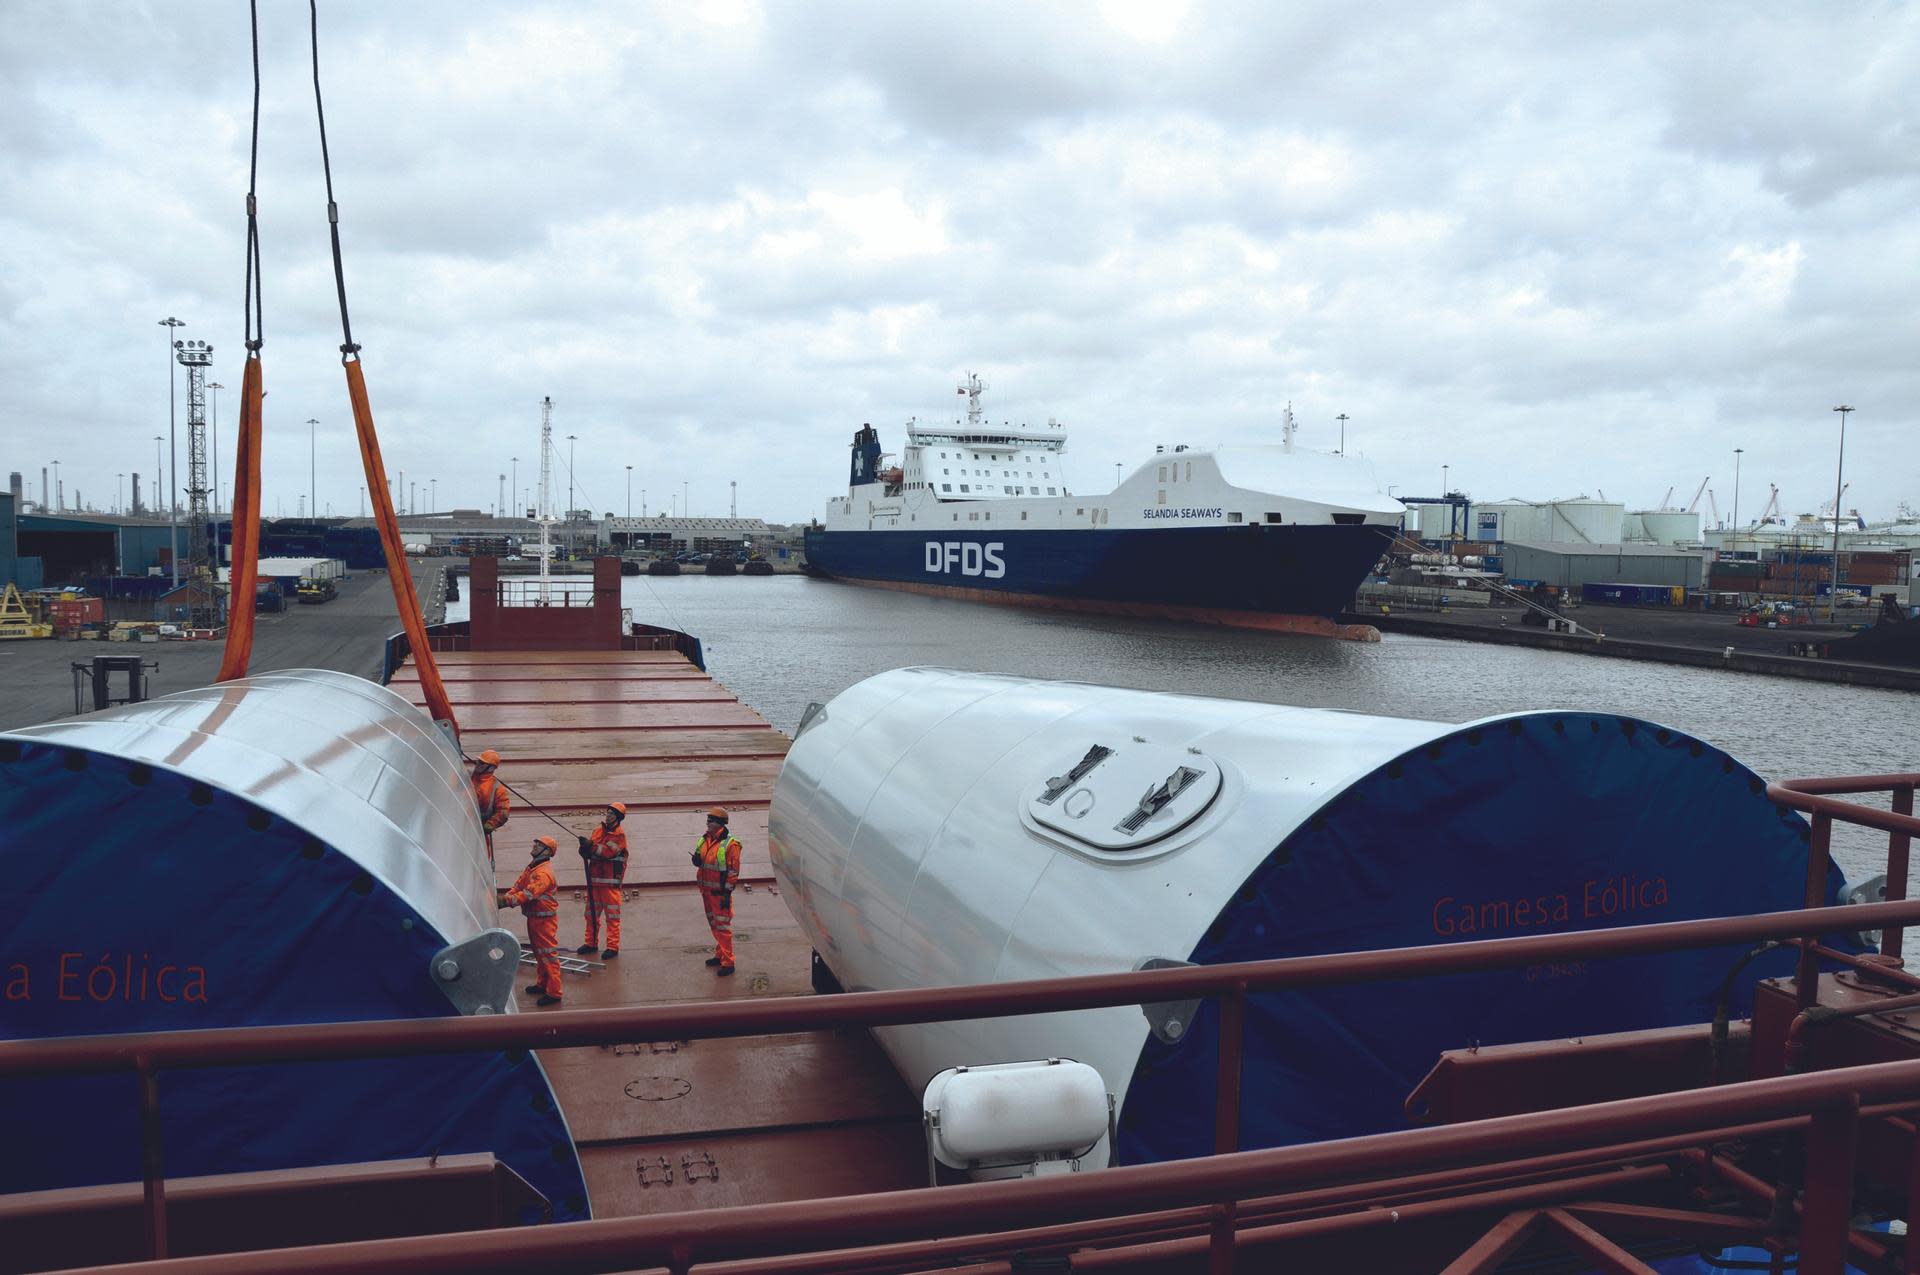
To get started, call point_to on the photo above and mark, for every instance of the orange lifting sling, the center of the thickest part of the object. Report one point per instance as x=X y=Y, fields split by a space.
x=246 y=482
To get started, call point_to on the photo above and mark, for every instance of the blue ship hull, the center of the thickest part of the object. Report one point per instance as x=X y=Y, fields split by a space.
x=1291 y=570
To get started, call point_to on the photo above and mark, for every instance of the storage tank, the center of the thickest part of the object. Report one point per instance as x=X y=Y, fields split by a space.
x=932 y=828
x=1507 y=520
x=295 y=847
x=1436 y=522
x=1669 y=526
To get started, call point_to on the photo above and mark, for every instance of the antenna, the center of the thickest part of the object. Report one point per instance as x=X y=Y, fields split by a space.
x=546 y=486
x=546 y=456
x=972 y=389
x=1287 y=427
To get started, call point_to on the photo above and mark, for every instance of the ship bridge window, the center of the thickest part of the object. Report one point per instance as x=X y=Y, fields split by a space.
x=1051 y=492
x=1124 y=797
x=1233 y=517
x=946 y=486
x=1163 y=473
x=1274 y=518
x=1349 y=520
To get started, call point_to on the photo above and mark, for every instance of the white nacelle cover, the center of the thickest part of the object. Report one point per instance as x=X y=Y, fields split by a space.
x=1015 y=1112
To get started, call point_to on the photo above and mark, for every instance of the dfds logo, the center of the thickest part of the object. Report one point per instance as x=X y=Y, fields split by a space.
x=972 y=559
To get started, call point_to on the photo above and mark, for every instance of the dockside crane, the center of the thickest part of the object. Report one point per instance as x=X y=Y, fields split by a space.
x=1694 y=504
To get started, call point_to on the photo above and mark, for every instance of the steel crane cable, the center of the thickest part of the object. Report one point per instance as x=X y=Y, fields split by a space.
x=245 y=534
x=525 y=800
x=399 y=573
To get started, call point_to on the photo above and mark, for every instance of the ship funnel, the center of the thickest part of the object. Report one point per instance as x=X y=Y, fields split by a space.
x=295 y=847
x=933 y=828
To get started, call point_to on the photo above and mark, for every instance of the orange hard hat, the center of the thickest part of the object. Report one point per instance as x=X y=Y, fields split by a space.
x=618 y=807
x=548 y=842
x=489 y=757
x=717 y=812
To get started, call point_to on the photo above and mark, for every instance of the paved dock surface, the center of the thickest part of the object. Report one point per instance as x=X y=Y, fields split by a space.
x=669 y=1125
x=346 y=634
x=1706 y=639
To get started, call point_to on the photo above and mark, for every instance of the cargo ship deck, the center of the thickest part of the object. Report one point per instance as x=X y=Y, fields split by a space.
x=666 y=1126
x=744 y=1125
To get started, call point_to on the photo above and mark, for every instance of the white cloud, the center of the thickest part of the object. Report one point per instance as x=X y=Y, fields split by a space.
x=1553 y=249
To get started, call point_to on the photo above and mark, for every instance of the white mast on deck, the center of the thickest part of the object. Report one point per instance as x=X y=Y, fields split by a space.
x=544 y=513
x=972 y=390
x=1287 y=427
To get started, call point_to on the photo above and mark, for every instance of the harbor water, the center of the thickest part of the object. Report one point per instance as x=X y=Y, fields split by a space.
x=782 y=642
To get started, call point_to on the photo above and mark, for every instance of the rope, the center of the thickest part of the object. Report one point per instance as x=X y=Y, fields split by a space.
x=348 y=350
x=524 y=799
x=255 y=312
x=677 y=623
x=244 y=576
x=399 y=572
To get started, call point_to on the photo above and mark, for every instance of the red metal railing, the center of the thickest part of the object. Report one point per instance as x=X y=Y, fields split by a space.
x=677 y=1240
x=1819 y=798
x=1220 y=1184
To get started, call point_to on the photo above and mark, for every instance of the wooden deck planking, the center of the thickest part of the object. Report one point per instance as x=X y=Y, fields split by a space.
x=641 y=746
x=623 y=715
x=802 y=1116
x=755 y=1167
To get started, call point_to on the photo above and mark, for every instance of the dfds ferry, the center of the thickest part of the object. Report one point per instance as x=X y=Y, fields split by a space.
x=1263 y=536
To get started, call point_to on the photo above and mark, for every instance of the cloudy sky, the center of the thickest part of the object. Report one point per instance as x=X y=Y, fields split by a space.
x=1556 y=248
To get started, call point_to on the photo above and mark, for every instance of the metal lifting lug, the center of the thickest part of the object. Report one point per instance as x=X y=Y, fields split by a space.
x=477 y=976
x=1168 y=1020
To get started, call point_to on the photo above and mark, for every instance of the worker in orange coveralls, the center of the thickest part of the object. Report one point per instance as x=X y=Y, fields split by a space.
x=717 y=855
x=534 y=894
x=490 y=795
x=605 y=853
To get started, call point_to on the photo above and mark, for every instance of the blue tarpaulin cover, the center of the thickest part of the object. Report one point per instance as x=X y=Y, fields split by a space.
x=1532 y=824
x=242 y=919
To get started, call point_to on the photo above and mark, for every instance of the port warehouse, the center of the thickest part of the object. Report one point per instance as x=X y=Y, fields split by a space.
x=38 y=550
x=1584 y=547
x=1566 y=544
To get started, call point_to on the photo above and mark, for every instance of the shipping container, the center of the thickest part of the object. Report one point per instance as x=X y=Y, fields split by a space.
x=1646 y=595
x=70 y=611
